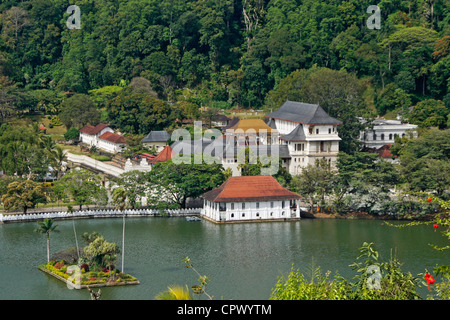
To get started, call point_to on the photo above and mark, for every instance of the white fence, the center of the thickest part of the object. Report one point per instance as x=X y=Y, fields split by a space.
x=5 y=218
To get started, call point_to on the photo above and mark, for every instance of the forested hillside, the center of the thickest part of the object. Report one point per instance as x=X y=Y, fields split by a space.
x=227 y=53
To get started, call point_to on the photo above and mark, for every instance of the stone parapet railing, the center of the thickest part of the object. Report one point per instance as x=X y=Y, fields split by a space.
x=6 y=218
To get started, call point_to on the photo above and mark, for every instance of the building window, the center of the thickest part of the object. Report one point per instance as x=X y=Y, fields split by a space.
x=317 y=131
x=282 y=213
x=243 y=215
x=257 y=214
x=271 y=214
x=271 y=204
x=243 y=205
x=232 y=206
x=390 y=136
x=257 y=205
x=374 y=136
x=232 y=215
x=382 y=136
x=329 y=131
x=282 y=204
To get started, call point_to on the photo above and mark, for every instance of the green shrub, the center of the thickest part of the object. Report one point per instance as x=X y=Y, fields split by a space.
x=320 y=287
x=72 y=134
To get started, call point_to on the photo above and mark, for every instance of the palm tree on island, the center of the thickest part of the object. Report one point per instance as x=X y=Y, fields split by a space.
x=119 y=198
x=46 y=227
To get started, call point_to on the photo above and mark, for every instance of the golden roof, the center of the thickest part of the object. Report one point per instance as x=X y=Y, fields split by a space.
x=252 y=125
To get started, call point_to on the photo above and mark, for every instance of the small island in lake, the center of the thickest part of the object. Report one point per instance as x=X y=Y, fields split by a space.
x=90 y=267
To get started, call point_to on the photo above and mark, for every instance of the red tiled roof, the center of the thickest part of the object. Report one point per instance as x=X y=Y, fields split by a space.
x=112 y=137
x=147 y=156
x=163 y=156
x=250 y=188
x=91 y=130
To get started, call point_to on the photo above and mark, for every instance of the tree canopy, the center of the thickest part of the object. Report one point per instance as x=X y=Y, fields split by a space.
x=233 y=52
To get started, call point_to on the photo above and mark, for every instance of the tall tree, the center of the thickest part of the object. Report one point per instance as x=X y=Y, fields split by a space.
x=79 y=110
x=22 y=195
x=46 y=227
x=83 y=187
x=175 y=183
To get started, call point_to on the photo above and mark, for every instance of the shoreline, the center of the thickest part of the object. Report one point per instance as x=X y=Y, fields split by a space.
x=364 y=216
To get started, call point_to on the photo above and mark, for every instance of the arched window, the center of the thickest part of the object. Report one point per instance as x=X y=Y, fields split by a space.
x=374 y=136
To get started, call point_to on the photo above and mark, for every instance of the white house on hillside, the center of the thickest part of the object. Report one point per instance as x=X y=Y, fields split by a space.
x=89 y=134
x=384 y=133
x=102 y=137
x=111 y=142
x=156 y=139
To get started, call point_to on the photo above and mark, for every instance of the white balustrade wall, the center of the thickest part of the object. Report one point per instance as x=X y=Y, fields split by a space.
x=5 y=218
x=108 y=168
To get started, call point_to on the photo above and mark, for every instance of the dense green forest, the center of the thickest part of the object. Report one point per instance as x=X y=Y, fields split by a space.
x=226 y=53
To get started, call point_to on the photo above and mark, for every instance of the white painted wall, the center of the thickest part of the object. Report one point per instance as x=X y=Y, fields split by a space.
x=235 y=211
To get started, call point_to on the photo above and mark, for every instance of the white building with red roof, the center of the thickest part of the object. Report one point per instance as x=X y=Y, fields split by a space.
x=251 y=198
x=89 y=134
x=111 y=142
x=102 y=137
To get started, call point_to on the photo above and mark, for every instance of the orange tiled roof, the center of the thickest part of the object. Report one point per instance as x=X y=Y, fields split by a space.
x=112 y=137
x=250 y=188
x=91 y=130
x=163 y=156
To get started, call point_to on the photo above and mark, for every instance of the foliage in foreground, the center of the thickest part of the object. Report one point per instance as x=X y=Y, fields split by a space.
x=375 y=280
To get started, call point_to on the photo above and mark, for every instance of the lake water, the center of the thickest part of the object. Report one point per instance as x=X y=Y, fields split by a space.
x=242 y=261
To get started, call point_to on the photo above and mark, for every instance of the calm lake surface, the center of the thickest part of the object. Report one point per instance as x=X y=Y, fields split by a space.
x=242 y=261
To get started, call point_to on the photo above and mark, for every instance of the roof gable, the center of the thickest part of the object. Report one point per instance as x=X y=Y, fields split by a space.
x=295 y=135
x=252 y=124
x=163 y=156
x=91 y=130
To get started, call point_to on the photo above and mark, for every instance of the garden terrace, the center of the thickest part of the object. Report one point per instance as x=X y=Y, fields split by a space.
x=89 y=279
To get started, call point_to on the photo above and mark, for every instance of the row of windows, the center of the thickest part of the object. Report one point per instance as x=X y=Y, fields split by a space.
x=318 y=131
x=257 y=214
x=257 y=205
x=382 y=136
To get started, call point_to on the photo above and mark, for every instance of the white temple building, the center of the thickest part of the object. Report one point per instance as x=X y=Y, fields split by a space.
x=250 y=198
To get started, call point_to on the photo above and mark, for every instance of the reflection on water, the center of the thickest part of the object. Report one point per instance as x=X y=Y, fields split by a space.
x=242 y=261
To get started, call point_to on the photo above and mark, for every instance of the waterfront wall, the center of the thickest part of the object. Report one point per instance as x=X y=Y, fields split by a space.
x=6 y=218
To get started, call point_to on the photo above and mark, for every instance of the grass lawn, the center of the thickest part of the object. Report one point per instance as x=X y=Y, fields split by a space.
x=57 y=132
